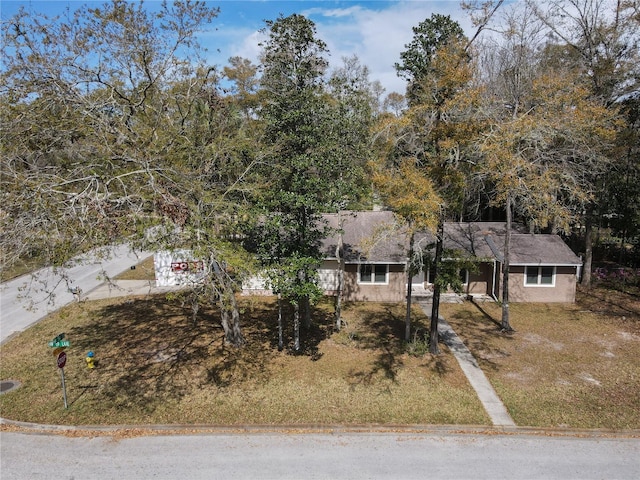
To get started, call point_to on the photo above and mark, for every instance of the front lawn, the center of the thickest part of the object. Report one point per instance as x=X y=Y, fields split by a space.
x=566 y=365
x=156 y=366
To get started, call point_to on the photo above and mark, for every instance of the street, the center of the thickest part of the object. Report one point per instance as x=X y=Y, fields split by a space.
x=265 y=455
x=29 y=298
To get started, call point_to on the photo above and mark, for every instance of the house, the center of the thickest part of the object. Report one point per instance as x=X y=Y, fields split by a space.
x=542 y=267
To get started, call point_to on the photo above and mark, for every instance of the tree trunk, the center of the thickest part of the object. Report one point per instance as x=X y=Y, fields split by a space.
x=435 y=308
x=340 y=257
x=506 y=325
x=306 y=311
x=229 y=313
x=588 y=248
x=280 y=339
x=407 y=321
x=236 y=338
x=230 y=319
x=296 y=327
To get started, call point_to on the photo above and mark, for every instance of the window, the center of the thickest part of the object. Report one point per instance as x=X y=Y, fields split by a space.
x=373 y=273
x=540 y=276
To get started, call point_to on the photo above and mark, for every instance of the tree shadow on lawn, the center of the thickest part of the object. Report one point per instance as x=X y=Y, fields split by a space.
x=610 y=302
x=382 y=331
x=476 y=332
x=150 y=350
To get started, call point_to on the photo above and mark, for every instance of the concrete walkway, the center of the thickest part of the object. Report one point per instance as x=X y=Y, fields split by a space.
x=469 y=365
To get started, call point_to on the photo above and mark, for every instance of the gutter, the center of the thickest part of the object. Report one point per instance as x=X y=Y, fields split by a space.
x=493 y=282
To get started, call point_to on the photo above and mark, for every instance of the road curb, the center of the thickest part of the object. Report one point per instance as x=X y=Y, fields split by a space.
x=293 y=429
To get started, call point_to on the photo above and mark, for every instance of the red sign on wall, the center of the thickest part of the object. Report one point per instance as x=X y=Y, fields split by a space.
x=187 y=267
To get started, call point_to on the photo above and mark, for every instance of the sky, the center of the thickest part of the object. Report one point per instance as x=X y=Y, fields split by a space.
x=374 y=30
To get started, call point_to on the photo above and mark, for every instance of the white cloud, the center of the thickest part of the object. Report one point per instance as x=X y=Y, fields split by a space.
x=377 y=36
x=374 y=31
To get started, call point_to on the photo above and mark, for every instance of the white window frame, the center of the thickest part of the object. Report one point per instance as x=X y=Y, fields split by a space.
x=373 y=266
x=539 y=276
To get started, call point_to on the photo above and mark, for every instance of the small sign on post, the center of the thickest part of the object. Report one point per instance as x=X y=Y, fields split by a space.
x=62 y=361
x=59 y=341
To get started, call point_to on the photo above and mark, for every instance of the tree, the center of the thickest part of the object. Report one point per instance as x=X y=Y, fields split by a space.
x=109 y=110
x=353 y=101
x=243 y=74
x=603 y=39
x=428 y=37
x=540 y=161
x=394 y=103
x=413 y=198
x=438 y=127
x=302 y=170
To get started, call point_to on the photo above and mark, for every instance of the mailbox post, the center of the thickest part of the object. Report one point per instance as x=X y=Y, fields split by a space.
x=62 y=361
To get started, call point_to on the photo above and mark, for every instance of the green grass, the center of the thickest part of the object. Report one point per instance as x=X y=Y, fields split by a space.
x=156 y=366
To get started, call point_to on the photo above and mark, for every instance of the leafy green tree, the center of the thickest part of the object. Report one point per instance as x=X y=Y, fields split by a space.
x=315 y=130
x=114 y=132
x=295 y=116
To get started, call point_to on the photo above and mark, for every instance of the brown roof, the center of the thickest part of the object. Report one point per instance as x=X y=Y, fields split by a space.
x=370 y=236
x=539 y=249
x=377 y=237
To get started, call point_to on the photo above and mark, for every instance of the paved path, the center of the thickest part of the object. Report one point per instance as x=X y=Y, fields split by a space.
x=27 y=299
x=122 y=288
x=469 y=365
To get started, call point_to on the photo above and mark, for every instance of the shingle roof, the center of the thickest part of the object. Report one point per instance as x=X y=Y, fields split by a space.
x=371 y=236
x=377 y=237
x=539 y=249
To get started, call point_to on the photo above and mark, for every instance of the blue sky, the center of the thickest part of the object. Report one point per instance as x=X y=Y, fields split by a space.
x=374 y=30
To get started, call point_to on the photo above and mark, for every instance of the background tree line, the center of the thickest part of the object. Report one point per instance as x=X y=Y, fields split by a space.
x=114 y=128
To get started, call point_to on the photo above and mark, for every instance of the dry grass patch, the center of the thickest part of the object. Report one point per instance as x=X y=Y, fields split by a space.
x=156 y=366
x=566 y=365
x=145 y=270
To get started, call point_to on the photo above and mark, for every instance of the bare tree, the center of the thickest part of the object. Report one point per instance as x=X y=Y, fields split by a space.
x=602 y=39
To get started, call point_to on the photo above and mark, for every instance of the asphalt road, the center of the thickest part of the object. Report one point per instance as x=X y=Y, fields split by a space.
x=319 y=456
x=27 y=299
